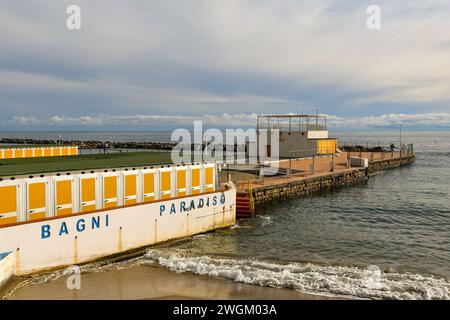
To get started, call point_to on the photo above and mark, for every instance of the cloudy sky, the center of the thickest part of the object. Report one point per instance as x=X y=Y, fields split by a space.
x=148 y=65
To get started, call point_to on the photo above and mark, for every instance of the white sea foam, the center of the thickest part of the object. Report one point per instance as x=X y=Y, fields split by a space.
x=266 y=220
x=241 y=225
x=307 y=277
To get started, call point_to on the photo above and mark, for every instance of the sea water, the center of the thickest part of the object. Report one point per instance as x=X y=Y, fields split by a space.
x=388 y=238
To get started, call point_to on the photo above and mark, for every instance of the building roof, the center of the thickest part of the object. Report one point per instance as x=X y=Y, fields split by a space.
x=292 y=116
x=292 y=122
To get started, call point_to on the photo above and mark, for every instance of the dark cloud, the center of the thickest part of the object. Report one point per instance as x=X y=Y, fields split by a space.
x=210 y=57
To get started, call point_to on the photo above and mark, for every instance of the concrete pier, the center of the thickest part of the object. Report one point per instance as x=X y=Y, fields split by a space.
x=329 y=172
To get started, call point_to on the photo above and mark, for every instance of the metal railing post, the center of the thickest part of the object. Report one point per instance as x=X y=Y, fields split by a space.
x=332 y=162
x=290 y=166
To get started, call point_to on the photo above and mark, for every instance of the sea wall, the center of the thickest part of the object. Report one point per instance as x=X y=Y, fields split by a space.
x=79 y=238
x=292 y=189
x=386 y=164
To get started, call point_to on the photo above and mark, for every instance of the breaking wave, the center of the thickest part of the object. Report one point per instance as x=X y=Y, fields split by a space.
x=308 y=278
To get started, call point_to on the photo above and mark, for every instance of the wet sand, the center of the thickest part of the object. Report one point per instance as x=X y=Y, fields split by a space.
x=148 y=282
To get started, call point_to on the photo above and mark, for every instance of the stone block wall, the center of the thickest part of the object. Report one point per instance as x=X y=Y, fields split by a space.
x=292 y=189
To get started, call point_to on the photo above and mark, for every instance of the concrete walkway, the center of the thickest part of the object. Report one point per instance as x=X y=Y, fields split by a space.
x=322 y=166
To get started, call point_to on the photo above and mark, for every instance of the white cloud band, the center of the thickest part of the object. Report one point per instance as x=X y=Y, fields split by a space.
x=441 y=120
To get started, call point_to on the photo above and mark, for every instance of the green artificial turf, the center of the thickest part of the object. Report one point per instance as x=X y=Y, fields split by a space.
x=15 y=167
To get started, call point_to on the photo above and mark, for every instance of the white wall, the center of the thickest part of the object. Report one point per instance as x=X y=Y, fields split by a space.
x=120 y=230
x=6 y=268
x=317 y=134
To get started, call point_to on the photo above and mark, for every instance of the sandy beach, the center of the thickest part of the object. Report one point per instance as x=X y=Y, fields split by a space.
x=148 y=282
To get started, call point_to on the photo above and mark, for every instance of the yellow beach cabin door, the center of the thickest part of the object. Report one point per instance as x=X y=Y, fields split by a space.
x=130 y=188
x=181 y=182
x=166 y=183
x=88 y=192
x=8 y=203
x=36 y=199
x=195 y=180
x=110 y=186
x=149 y=185
x=209 y=179
x=63 y=196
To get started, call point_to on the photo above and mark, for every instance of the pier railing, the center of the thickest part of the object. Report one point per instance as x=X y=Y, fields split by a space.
x=379 y=152
x=305 y=163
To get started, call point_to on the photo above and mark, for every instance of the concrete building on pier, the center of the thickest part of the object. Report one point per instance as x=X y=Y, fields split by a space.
x=299 y=135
